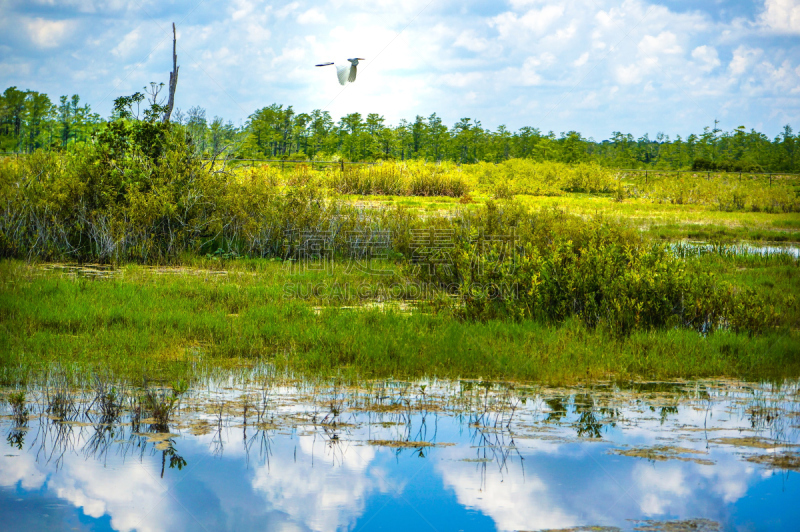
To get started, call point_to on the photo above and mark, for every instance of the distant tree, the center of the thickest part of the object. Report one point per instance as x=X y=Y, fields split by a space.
x=39 y=113
x=196 y=125
x=12 y=108
x=29 y=121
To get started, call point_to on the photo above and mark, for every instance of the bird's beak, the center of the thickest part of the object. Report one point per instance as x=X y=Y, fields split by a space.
x=361 y=59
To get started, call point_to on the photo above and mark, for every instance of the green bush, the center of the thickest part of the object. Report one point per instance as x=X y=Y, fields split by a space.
x=548 y=266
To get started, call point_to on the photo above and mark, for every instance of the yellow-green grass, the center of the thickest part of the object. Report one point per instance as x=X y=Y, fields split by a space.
x=651 y=209
x=661 y=220
x=692 y=218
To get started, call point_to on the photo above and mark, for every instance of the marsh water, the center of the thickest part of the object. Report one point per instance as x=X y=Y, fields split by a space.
x=747 y=248
x=262 y=451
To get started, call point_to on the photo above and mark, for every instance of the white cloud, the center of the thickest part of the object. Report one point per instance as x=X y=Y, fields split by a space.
x=97 y=491
x=652 y=50
x=707 y=57
x=783 y=78
x=658 y=486
x=243 y=9
x=312 y=16
x=459 y=79
x=291 y=55
x=469 y=40
x=628 y=75
x=135 y=504
x=127 y=44
x=88 y=6
x=324 y=497
x=665 y=42
x=782 y=16
x=286 y=10
x=47 y=33
x=529 y=74
x=533 y=23
x=513 y=502
x=21 y=468
x=743 y=58
x=581 y=60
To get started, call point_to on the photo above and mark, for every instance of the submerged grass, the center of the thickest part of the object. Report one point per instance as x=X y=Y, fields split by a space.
x=144 y=322
x=19 y=406
x=159 y=403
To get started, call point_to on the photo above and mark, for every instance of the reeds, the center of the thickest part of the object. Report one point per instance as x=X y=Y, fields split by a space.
x=160 y=403
x=58 y=206
x=19 y=407
x=523 y=176
x=59 y=395
x=400 y=179
x=108 y=398
x=727 y=194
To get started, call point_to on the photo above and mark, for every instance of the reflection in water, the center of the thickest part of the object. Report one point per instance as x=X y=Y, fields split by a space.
x=257 y=451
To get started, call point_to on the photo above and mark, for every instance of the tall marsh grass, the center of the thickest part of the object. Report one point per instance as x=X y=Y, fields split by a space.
x=523 y=176
x=725 y=194
x=413 y=178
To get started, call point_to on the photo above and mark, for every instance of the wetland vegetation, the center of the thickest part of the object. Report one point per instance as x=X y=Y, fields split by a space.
x=520 y=269
x=502 y=302
x=165 y=322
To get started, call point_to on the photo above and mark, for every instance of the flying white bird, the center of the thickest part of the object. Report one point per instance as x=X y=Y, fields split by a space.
x=345 y=73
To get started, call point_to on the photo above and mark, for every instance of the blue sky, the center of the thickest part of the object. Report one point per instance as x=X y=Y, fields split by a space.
x=594 y=66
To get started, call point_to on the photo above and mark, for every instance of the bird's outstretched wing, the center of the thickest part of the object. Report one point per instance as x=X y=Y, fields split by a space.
x=343 y=73
x=324 y=64
x=352 y=76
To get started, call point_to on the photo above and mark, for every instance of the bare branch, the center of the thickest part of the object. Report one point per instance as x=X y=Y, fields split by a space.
x=173 y=77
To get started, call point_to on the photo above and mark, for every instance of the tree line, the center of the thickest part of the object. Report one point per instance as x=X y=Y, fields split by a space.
x=30 y=121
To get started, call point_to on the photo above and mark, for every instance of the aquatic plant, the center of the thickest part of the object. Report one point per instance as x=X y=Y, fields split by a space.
x=724 y=193
x=159 y=403
x=243 y=315
x=108 y=400
x=509 y=262
x=19 y=407
x=59 y=394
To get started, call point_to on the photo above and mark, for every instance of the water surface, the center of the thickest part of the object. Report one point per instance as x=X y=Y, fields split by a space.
x=263 y=452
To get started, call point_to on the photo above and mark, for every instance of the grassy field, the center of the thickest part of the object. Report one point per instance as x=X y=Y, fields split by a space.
x=710 y=206
x=219 y=268
x=663 y=221
x=168 y=322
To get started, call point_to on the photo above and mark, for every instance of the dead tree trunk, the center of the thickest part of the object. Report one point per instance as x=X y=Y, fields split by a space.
x=173 y=77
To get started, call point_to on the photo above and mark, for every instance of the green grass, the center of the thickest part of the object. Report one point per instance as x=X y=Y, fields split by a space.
x=718 y=233
x=169 y=325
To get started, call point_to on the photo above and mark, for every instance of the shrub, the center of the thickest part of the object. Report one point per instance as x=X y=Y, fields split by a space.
x=550 y=266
